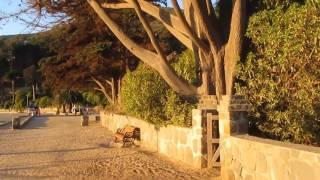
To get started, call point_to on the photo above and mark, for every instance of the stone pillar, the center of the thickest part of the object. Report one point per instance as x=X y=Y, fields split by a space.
x=233 y=120
x=15 y=123
x=84 y=120
x=233 y=111
x=207 y=104
x=197 y=134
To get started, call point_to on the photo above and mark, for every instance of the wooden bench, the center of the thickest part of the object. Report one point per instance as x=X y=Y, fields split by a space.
x=127 y=135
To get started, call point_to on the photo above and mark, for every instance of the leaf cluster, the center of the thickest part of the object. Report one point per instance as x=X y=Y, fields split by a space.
x=281 y=74
x=146 y=95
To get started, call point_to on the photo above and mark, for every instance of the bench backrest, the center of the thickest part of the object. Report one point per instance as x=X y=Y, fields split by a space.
x=128 y=129
x=131 y=131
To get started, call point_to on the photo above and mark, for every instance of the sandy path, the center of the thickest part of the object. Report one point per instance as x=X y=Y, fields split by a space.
x=59 y=148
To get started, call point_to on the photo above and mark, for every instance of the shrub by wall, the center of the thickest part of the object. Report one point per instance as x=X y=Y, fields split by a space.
x=147 y=96
x=45 y=101
x=281 y=73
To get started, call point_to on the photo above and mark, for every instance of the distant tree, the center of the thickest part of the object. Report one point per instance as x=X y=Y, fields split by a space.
x=12 y=76
x=31 y=76
x=86 y=54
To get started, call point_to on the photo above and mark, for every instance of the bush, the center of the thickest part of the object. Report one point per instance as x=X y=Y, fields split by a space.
x=45 y=101
x=281 y=74
x=20 y=99
x=147 y=96
x=143 y=94
x=179 y=108
x=93 y=99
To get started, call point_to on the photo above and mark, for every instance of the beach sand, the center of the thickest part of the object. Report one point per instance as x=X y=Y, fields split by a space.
x=57 y=147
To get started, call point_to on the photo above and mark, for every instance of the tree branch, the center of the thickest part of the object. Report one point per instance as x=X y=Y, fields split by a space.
x=109 y=82
x=212 y=33
x=209 y=7
x=145 y=55
x=102 y=89
x=153 y=60
x=214 y=38
x=192 y=35
x=117 y=5
x=234 y=44
x=148 y=29
x=165 y=17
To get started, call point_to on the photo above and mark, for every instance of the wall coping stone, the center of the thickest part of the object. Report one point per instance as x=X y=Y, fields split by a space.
x=144 y=121
x=301 y=147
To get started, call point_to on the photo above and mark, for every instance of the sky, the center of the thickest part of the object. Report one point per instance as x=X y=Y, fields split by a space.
x=15 y=26
x=11 y=26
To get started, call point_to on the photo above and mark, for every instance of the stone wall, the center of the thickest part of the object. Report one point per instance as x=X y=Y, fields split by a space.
x=247 y=157
x=179 y=143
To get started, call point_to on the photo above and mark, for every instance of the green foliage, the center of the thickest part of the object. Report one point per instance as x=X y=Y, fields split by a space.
x=185 y=66
x=271 y=4
x=93 y=99
x=20 y=99
x=143 y=93
x=178 y=109
x=12 y=75
x=281 y=74
x=45 y=101
x=70 y=97
x=146 y=95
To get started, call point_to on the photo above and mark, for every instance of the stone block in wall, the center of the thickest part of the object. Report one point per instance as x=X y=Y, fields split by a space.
x=266 y=159
x=261 y=163
x=302 y=170
x=172 y=149
x=196 y=118
x=232 y=117
x=183 y=138
x=188 y=155
x=261 y=176
x=207 y=102
x=227 y=174
x=277 y=168
x=196 y=146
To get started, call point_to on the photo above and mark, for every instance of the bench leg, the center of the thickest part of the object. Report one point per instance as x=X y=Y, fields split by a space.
x=127 y=141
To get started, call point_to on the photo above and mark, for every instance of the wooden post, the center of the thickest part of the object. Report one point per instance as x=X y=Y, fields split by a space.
x=209 y=139
x=84 y=120
x=15 y=123
x=97 y=118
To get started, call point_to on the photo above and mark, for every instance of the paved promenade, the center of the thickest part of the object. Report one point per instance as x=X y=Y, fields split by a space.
x=7 y=116
x=57 y=147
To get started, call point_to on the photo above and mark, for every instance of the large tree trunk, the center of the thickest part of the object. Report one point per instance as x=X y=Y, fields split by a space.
x=234 y=44
x=33 y=93
x=200 y=54
x=148 y=57
x=63 y=108
x=70 y=108
x=119 y=91
x=216 y=55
